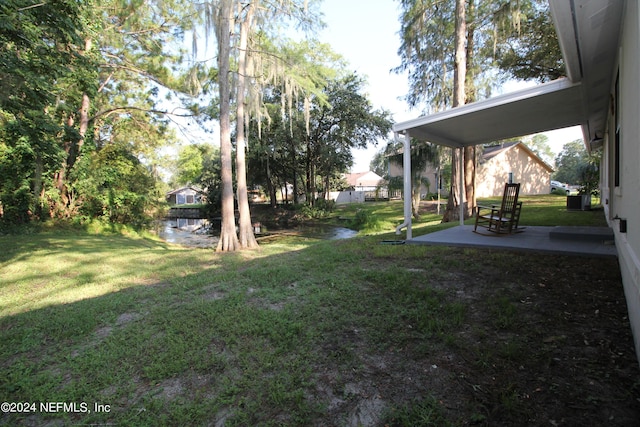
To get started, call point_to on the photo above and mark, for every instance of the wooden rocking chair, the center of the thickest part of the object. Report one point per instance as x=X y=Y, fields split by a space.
x=505 y=218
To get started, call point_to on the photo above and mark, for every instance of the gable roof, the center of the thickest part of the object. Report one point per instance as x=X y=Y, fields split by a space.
x=491 y=152
x=588 y=31
x=181 y=189
x=368 y=178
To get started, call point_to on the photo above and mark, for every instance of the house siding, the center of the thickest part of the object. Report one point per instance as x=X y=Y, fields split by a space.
x=429 y=172
x=184 y=196
x=533 y=177
x=623 y=201
x=492 y=174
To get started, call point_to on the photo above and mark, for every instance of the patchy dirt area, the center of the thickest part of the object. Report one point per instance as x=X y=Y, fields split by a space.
x=544 y=342
x=345 y=333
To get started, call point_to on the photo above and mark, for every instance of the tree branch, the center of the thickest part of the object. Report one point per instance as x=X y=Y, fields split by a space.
x=110 y=111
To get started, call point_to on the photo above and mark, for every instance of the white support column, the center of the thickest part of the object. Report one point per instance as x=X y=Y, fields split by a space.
x=461 y=174
x=406 y=162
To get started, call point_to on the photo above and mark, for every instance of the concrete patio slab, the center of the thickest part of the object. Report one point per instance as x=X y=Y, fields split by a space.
x=585 y=241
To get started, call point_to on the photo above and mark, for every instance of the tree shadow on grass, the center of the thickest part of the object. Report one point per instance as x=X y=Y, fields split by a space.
x=334 y=333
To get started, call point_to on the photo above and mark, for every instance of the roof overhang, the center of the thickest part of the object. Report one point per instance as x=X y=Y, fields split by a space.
x=588 y=33
x=541 y=108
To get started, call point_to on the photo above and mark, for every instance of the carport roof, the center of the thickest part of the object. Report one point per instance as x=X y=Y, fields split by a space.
x=544 y=107
x=588 y=33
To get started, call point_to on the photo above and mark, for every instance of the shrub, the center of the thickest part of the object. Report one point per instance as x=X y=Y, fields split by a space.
x=368 y=222
x=321 y=209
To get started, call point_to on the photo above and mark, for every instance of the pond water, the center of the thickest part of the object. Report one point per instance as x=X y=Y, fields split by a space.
x=195 y=239
x=200 y=239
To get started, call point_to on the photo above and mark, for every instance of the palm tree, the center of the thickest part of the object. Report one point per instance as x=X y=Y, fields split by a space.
x=423 y=154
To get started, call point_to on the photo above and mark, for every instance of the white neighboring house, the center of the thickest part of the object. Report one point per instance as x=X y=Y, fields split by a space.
x=363 y=181
x=600 y=43
x=364 y=186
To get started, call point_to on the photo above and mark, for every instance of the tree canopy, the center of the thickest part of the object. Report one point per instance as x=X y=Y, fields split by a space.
x=85 y=84
x=574 y=165
x=309 y=153
x=505 y=39
x=80 y=125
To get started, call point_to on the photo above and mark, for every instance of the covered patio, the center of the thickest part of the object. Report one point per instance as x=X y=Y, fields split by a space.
x=582 y=98
x=561 y=240
x=553 y=105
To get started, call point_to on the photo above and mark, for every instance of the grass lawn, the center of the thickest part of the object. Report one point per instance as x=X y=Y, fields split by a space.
x=132 y=331
x=545 y=210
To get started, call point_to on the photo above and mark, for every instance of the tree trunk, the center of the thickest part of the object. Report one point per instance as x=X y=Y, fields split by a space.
x=84 y=120
x=84 y=111
x=459 y=75
x=228 y=238
x=37 y=186
x=470 y=179
x=245 y=230
x=308 y=174
x=470 y=157
x=460 y=71
x=327 y=187
x=452 y=213
x=271 y=188
x=294 y=189
x=285 y=196
x=294 y=164
x=415 y=196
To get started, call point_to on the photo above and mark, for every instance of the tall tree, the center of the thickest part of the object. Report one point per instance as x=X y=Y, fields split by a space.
x=292 y=149
x=93 y=92
x=224 y=27
x=430 y=45
x=459 y=77
x=349 y=121
x=242 y=28
x=245 y=227
x=40 y=47
x=570 y=162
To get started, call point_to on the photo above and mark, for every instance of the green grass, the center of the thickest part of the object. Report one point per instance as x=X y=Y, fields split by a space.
x=172 y=336
x=551 y=210
x=541 y=210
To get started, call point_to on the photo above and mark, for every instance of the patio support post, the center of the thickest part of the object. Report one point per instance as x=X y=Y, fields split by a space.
x=406 y=165
x=461 y=174
x=406 y=162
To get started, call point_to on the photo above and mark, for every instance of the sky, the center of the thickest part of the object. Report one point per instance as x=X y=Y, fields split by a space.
x=365 y=32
